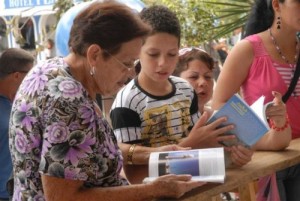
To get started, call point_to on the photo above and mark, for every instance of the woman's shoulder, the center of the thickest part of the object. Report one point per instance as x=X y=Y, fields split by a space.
x=253 y=38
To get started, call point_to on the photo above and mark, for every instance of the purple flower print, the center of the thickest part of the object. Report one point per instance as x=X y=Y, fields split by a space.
x=65 y=87
x=77 y=147
x=57 y=132
x=21 y=142
x=35 y=140
x=45 y=147
x=25 y=115
x=39 y=197
x=35 y=81
x=110 y=148
x=71 y=172
x=29 y=165
x=87 y=114
x=82 y=176
x=17 y=194
x=74 y=125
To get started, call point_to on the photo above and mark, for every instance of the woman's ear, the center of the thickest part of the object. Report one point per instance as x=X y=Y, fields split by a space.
x=275 y=4
x=94 y=52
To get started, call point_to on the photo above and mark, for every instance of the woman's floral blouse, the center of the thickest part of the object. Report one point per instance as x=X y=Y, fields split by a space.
x=55 y=130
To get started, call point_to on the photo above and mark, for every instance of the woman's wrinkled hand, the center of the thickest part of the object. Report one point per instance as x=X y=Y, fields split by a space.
x=174 y=186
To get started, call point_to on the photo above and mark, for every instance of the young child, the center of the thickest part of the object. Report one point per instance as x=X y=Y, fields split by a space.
x=155 y=110
x=50 y=49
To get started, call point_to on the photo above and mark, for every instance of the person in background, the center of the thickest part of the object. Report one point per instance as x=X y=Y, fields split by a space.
x=14 y=65
x=27 y=32
x=222 y=50
x=212 y=49
x=236 y=37
x=50 y=49
x=264 y=63
x=196 y=66
x=62 y=147
x=157 y=111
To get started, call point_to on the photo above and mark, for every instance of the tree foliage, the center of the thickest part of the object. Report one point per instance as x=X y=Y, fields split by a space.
x=62 y=6
x=205 y=20
x=201 y=20
x=232 y=14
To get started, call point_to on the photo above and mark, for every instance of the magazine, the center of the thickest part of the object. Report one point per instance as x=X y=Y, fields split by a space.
x=250 y=121
x=207 y=165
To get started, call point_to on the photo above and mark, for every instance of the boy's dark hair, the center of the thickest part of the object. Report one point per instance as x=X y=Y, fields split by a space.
x=161 y=19
x=108 y=24
x=14 y=60
x=260 y=18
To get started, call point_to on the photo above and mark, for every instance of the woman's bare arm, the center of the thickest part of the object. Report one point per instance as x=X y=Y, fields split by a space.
x=173 y=186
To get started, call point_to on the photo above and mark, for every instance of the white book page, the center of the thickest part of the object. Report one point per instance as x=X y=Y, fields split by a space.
x=260 y=109
x=203 y=164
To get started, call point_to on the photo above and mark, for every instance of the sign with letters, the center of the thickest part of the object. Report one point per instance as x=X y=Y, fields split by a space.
x=9 y=4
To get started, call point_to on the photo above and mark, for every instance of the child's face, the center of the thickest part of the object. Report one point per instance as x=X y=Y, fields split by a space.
x=159 y=56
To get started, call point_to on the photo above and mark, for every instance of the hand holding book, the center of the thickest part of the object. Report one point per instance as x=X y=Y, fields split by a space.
x=250 y=121
x=277 y=113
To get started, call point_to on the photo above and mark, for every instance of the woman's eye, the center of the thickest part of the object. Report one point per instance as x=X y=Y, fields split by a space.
x=193 y=77
x=208 y=77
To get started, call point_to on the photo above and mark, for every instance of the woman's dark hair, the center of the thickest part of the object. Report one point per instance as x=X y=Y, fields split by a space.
x=194 y=54
x=108 y=24
x=162 y=20
x=261 y=17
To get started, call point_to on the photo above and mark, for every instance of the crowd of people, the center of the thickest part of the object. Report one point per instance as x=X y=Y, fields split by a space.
x=57 y=144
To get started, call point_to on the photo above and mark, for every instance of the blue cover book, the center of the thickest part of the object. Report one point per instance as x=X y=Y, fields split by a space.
x=249 y=121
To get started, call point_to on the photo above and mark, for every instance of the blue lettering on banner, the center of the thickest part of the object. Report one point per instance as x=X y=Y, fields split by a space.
x=27 y=3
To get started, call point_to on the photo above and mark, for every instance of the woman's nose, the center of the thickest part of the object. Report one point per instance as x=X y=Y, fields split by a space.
x=201 y=82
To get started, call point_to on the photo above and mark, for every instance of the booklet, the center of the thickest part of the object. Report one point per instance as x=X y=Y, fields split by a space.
x=250 y=121
x=207 y=165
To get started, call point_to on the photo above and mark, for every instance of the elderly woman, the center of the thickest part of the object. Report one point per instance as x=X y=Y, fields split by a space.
x=62 y=147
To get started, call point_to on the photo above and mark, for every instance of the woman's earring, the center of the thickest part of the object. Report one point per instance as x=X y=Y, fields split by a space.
x=92 y=71
x=278 y=22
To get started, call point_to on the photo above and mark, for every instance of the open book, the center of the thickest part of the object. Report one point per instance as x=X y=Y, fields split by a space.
x=250 y=121
x=207 y=165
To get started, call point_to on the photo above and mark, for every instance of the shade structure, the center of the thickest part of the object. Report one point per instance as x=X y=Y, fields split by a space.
x=65 y=23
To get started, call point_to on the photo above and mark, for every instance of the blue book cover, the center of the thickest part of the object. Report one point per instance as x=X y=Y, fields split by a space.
x=249 y=121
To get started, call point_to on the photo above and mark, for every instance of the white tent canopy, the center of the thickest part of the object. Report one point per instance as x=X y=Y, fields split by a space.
x=28 y=11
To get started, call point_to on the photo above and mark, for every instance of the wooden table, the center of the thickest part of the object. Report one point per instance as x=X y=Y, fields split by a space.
x=262 y=164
